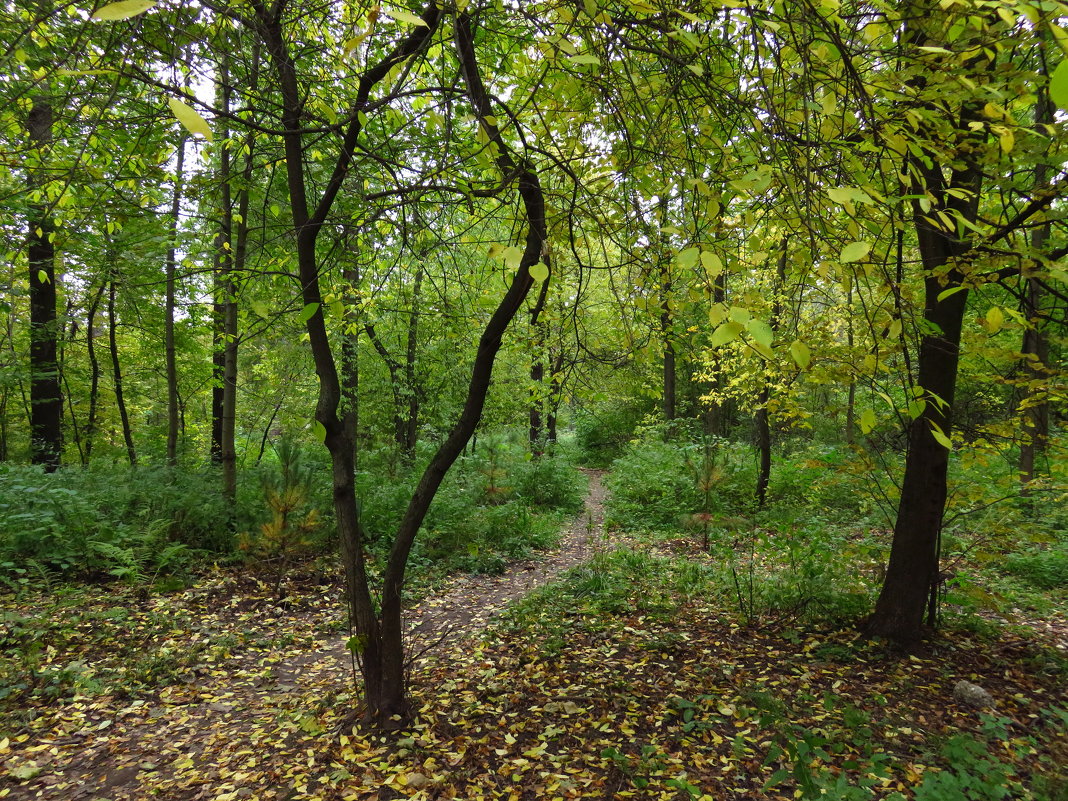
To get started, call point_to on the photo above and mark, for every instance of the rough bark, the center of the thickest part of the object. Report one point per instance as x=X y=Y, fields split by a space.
x=46 y=399
x=170 y=269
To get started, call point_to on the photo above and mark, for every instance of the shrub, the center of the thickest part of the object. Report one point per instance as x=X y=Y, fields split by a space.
x=603 y=431
x=1045 y=569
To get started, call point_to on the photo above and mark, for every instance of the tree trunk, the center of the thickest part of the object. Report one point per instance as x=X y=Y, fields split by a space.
x=536 y=433
x=1035 y=347
x=170 y=357
x=669 y=376
x=762 y=419
x=384 y=696
x=116 y=372
x=94 y=375
x=46 y=400
x=913 y=567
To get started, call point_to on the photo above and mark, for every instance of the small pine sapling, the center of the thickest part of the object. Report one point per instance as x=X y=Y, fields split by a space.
x=282 y=538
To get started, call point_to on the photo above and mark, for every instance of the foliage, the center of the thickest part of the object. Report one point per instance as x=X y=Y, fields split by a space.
x=602 y=431
x=287 y=533
x=131 y=524
x=1044 y=568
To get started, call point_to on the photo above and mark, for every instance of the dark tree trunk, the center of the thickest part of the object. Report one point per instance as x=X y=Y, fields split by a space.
x=1035 y=347
x=913 y=567
x=46 y=399
x=170 y=356
x=116 y=372
x=381 y=656
x=536 y=431
x=762 y=418
x=669 y=375
x=94 y=375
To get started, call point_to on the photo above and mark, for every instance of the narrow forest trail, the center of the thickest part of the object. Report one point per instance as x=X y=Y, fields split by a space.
x=253 y=724
x=468 y=602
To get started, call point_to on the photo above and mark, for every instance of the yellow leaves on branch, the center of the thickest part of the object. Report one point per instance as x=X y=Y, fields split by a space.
x=189 y=118
x=122 y=10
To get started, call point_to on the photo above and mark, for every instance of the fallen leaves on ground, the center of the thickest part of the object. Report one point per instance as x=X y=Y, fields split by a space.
x=648 y=706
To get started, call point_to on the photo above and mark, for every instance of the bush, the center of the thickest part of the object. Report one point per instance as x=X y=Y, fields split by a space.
x=602 y=432
x=1045 y=569
x=495 y=505
x=117 y=521
x=660 y=484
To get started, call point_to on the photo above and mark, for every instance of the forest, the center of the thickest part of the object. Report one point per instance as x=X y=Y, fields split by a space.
x=534 y=400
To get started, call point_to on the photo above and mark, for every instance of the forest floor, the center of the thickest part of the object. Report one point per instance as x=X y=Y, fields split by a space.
x=220 y=693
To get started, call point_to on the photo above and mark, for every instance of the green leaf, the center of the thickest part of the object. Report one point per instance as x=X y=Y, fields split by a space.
x=539 y=272
x=995 y=319
x=916 y=408
x=307 y=312
x=854 y=251
x=725 y=333
x=953 y=290
x=688 y=258
x=123 y=10
x=867 y=421
x=189 y=118
x=1058 y=86
x=401 y=15
x=760 y=332
x=319 y=431
x=586 y=58
x=260 y=307
x=940 y=436
x=801 y=354
x=712 y=263
x=512 y=257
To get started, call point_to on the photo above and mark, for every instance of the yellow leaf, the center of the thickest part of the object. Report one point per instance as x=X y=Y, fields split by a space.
x=512 y=256
x=1006 y=140
x=123 y=9
x=405 y=16
x=801 y=354
x=867 y=421
x=854 y=251
x=940 y=436
x=995 y=319
x=189 y=118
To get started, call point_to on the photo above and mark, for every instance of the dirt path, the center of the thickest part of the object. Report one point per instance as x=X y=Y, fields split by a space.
x=469 y=602
x=251 y=725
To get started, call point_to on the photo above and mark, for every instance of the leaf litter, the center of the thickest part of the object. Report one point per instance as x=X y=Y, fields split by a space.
x=218 y=693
